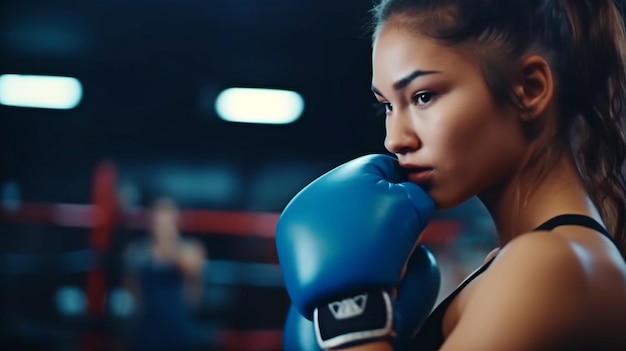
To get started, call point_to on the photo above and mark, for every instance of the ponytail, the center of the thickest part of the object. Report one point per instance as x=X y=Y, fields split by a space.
x=594 y=91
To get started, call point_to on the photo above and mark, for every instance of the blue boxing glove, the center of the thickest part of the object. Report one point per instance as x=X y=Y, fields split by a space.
x=410 y=310
x=343 y=244
x=299 y=333
x=417 y=295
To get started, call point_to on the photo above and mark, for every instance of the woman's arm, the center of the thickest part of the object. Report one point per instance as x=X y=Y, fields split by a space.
x=375 y=346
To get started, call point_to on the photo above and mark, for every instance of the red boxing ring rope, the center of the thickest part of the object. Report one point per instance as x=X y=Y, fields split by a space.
x=104 y=215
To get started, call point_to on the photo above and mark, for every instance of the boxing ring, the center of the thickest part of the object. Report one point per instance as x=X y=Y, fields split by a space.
x=256 y=279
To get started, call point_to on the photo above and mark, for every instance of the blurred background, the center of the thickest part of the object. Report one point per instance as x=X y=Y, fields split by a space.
x=225 y=107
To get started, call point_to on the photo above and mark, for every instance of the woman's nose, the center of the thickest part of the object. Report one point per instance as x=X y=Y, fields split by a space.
x=401 y=137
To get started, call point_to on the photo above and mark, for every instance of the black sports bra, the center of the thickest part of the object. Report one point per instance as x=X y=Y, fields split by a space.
x=430 y=335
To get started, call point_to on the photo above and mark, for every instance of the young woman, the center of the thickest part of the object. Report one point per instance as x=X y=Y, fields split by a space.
x=518 y=102
x=521 y=103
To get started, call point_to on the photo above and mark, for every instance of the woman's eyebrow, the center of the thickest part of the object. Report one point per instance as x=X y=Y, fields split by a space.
x=404 y=82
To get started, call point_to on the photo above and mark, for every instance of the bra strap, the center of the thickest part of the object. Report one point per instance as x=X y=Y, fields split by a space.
x=574 y=219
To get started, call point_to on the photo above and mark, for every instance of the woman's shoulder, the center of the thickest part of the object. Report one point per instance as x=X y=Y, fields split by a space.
x=192 y=245
x=541 y=287
x=569 y=252
x=539 y=268
x=558 y=261
x=544 y=248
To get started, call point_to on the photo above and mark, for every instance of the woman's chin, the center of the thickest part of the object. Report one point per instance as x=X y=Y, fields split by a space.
x=445 y=201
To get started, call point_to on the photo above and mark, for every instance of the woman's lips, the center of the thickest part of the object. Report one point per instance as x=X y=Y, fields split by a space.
x=420 y=176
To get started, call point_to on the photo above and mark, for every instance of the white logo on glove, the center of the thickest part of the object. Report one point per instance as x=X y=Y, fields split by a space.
x=348 y=308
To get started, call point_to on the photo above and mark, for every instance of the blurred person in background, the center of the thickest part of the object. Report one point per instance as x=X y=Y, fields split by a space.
x=163 y=271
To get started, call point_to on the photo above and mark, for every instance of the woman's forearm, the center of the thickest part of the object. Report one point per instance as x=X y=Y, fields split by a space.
x=375 y=346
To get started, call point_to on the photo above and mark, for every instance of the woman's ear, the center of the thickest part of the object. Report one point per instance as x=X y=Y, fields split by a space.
x=534 y=87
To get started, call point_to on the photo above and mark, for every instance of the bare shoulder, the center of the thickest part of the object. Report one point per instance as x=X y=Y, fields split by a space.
x=540 y=269
x=544 y=291
x=541 y=254
x=576 y=256
x=194 y=246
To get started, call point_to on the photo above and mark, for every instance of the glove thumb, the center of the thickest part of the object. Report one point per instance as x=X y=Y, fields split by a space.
x=299 y=333
x=417 y=295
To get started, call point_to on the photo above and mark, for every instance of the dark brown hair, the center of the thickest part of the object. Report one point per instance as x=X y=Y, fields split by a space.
x=584 y=42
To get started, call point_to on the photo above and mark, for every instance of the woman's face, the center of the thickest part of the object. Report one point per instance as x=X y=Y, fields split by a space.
x=441 y=120
x=165 y=221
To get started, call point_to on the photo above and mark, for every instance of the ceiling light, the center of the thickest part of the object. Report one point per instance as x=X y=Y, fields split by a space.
x=264 y=106
x=40 y=91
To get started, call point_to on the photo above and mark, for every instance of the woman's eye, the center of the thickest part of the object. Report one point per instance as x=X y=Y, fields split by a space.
x=387 y=107
x=423 y=98
x=383 y=108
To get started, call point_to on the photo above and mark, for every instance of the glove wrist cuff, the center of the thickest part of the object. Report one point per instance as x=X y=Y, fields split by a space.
x=355 y=319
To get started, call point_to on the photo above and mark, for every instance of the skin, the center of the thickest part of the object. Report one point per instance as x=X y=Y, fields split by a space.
x=558 y=290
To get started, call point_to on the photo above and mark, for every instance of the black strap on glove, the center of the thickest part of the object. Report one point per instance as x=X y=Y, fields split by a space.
x=354 y=320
